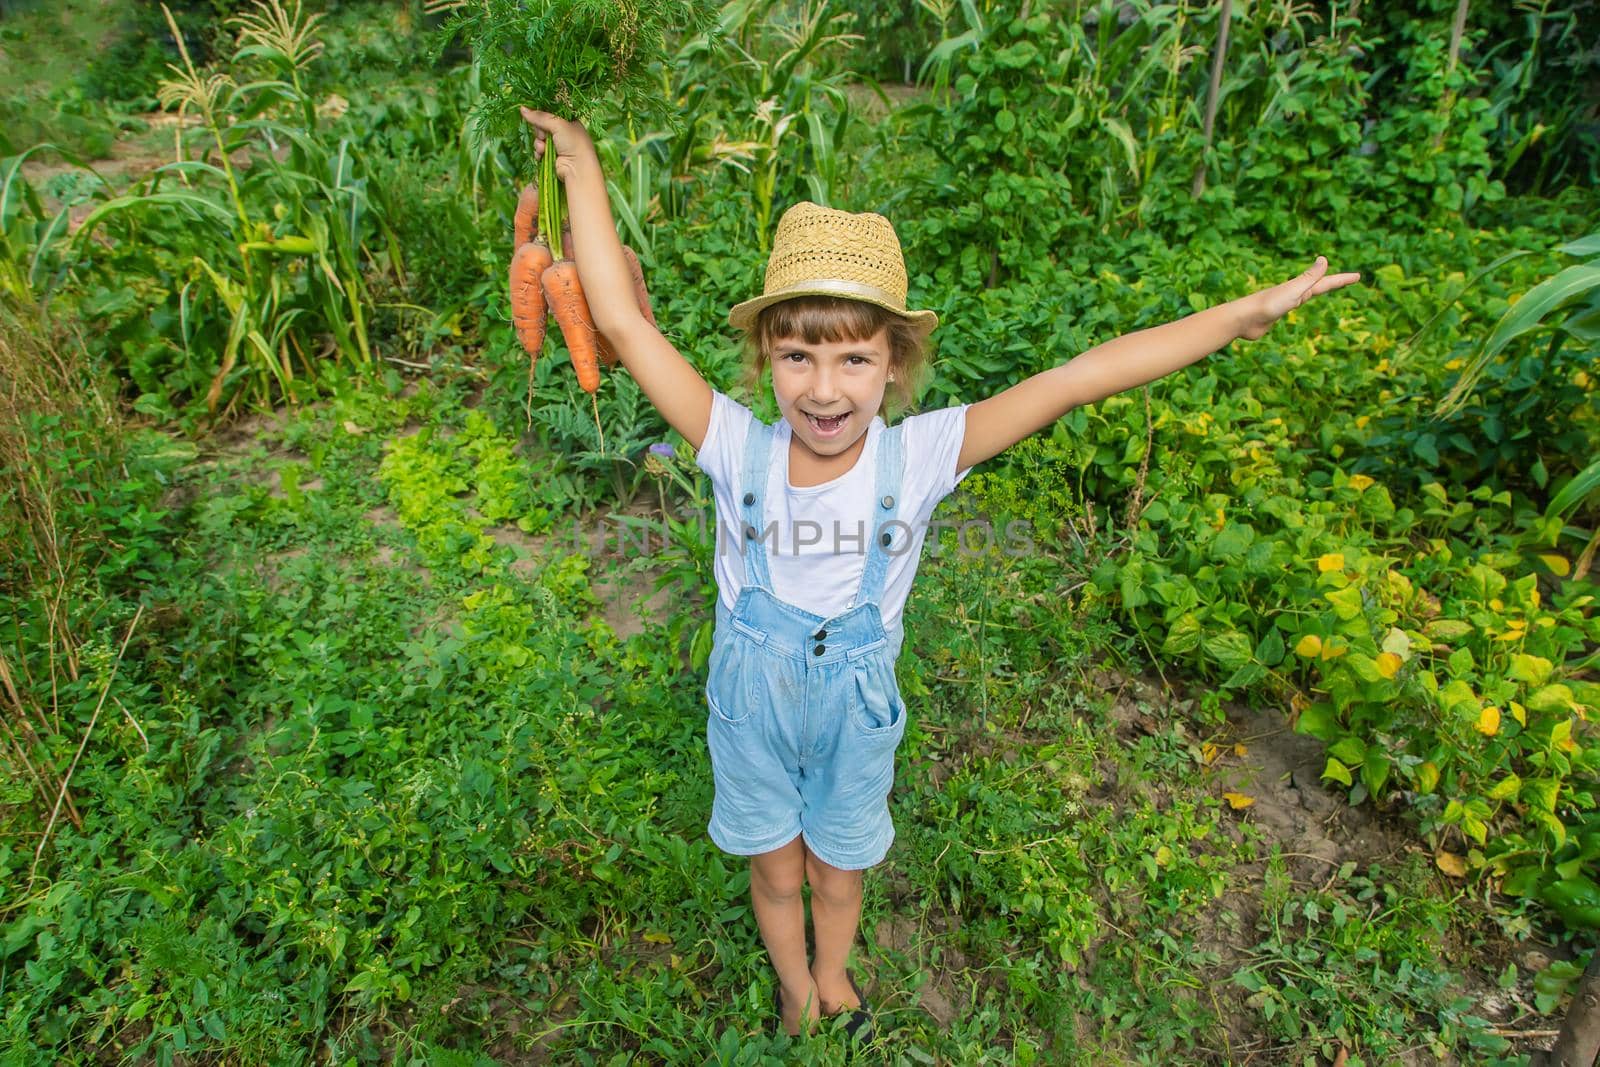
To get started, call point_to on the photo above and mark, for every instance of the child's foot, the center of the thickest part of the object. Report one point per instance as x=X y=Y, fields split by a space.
x=836 y=992
x=794 y=1005
x=851 y=1007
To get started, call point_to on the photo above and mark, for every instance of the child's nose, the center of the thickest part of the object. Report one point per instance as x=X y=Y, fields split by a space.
x=825 y=386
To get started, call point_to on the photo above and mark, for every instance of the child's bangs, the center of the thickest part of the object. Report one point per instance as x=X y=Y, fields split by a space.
x=821 y=320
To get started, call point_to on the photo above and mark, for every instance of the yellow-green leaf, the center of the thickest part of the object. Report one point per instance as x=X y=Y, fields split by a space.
x=1309 y=645
x=1398 y=642
x=1505 y=787
x=1346 y=602
x=1445 y=629
x=1551 y=698
x=1427 y=776
x=1558 y=565
x=1488 y=722
x=1534 y=670
x=1450 y=863
x=1337 y=771
x=1541 y=793
x=1557 y=828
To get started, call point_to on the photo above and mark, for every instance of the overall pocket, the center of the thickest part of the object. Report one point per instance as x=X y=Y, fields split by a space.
x=729 y=691
x=879 y=714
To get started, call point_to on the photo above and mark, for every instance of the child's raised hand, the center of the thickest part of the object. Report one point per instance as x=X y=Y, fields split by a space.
x=570 y=138
x=1263 y=308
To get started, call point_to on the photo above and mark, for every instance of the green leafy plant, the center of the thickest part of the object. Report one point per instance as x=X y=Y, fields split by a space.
x=1574 y=291
x=290 y=231
x=567 y=57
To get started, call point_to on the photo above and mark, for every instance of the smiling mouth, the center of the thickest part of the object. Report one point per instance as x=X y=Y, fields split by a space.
x=827 y=427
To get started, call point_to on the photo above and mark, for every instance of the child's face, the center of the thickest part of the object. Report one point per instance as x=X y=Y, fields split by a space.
x=842 y=378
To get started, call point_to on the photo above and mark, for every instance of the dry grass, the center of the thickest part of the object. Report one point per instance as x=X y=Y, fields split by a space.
x=60 y=441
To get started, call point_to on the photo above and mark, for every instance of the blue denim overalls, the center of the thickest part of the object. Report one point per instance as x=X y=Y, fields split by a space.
x=805 y=712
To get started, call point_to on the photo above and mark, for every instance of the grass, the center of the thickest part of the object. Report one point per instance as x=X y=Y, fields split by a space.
x=52 y=100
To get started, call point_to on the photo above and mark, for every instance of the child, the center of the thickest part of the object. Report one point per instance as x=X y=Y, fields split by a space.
x=828 y=508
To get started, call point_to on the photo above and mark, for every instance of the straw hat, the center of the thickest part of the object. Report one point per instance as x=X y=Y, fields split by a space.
x=819 y=251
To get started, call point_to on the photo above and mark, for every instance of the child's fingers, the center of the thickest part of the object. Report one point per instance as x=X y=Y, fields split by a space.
x=1334 y=281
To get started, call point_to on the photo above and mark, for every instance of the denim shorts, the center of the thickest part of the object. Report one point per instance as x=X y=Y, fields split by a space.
x=802 y=741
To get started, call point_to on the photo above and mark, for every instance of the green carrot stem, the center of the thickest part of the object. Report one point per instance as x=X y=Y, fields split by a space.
x=550 y=201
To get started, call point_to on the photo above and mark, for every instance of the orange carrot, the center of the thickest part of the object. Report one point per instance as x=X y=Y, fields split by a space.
x=564 y=292
x=528 y=305
x=527 y=219
x=528 y=265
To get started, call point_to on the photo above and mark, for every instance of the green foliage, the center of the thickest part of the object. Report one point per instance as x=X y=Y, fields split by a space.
x=568 y=56
x=1357 y=966
x=1575 y=291
x=1531 y=67
x=290 y=233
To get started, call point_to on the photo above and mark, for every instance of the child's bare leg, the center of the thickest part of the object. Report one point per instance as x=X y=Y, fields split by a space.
x=775 y=881
x=835 y=914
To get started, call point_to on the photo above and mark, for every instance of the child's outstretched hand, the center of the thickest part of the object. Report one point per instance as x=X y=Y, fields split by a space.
x=1262 y=309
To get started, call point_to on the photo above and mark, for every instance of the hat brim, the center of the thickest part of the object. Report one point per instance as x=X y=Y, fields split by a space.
x=743 y=316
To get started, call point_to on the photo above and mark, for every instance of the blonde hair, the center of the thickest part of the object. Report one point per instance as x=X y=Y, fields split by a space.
x=831 y=319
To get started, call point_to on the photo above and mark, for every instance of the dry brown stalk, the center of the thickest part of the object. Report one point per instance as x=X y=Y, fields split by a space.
x=83 y=744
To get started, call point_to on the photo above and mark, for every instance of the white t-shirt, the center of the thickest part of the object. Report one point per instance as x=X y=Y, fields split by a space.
x=819 y=549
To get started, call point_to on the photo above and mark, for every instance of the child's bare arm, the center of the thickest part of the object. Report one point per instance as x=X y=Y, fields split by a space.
x=673 y=385
x=995 y=424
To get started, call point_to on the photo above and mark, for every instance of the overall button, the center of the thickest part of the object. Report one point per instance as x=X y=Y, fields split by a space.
x=885 y=539
x=819 y=635
x=820 y=649
x=749 y=531
x=749 y=498
x=888 y=501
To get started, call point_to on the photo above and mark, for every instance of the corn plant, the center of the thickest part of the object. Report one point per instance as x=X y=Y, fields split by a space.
x=1574 y=292
x=940 y=56
x=281 y=238
x=762 y=73
x=29 y=235
x=787 y=72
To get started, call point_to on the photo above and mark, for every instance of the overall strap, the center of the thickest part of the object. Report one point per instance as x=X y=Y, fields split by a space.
x=752 y=503
x=886 y=533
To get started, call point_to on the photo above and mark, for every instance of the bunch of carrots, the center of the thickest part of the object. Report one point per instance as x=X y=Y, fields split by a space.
x=544 y=283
